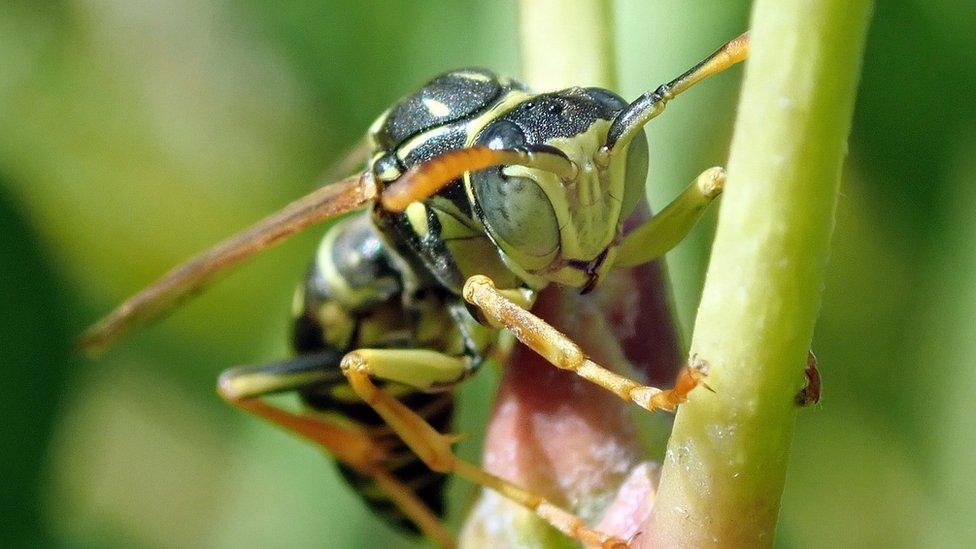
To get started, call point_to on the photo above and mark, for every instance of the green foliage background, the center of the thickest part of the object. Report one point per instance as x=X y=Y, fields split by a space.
x=134 y=133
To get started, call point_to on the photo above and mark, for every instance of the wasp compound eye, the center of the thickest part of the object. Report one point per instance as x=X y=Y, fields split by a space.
x=635 y=176
x=515 y=209
x=517 y=212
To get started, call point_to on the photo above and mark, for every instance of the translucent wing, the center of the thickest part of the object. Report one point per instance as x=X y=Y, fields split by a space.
x=352 y=161
x=417 y=183
x=190 y=277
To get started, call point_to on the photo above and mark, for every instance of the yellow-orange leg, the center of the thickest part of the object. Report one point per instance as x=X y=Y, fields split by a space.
x=435 y=450
x=563 y=353
x=667 y=228
x=355 y=449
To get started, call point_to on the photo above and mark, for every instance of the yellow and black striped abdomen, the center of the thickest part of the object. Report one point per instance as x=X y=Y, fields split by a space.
x=359 y=294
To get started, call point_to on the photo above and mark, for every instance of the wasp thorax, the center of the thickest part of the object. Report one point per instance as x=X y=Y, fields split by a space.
x=557 y=229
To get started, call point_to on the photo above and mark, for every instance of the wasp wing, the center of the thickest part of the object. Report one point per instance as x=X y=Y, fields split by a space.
x=189 y=278
x=352 y=161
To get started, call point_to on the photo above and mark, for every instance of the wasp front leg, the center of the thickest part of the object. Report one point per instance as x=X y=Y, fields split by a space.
x=424 y=370
x=244 y=387
x=671 y=225
x=562 y=352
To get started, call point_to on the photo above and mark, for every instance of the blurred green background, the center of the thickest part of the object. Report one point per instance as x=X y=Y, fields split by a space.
x=134 y=133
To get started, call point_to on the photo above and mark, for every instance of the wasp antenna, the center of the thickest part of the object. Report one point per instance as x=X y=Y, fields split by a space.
x=630 y=120
x=426 y=179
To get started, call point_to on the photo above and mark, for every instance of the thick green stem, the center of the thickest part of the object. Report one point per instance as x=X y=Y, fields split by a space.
x=567 y=43
x=726 y=462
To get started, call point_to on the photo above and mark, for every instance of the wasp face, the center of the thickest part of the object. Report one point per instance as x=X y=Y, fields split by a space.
x=560 y=230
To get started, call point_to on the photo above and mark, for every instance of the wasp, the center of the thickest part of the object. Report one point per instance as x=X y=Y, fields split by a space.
x=476 y=194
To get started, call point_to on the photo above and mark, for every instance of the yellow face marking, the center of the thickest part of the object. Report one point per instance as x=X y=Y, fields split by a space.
x=588 y=209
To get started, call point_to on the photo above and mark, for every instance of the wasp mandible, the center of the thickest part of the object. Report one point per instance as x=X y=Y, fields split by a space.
x=477 y=193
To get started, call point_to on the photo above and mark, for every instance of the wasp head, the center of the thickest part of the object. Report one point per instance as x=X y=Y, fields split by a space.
x=548 y=227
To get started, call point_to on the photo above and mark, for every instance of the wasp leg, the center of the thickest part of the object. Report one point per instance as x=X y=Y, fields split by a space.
x=563 y=353
x=433 y=447
x=243 y=387
x=670 y=226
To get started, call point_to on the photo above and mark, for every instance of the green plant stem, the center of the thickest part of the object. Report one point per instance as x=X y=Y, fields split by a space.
x=726 y=461
x=567 y=43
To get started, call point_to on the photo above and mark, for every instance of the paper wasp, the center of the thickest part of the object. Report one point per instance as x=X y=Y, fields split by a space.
x=477 y=193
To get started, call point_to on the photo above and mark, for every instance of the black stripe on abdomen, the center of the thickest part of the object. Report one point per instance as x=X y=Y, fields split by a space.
x=403 y=464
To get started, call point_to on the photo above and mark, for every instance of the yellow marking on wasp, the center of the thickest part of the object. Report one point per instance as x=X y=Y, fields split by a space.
x=436 y=108
x=587 y=209
x=342 y=291
x=298 y=301
x=508 y=102
x=417 y=215
x=338 y=327
x=473 y=76
x=374 y=129
x=408 y=146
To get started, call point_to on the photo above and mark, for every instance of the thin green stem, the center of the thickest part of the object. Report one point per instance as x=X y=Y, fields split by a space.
x=726 y=461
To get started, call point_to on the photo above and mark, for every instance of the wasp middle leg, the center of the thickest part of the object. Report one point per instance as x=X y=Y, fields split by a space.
x=667 y=228
x=426 y=369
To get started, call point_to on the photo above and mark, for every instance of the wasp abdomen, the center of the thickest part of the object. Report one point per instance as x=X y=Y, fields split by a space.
x=354 y=298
